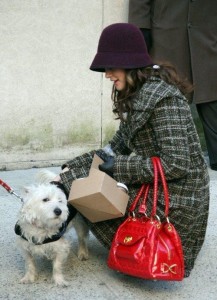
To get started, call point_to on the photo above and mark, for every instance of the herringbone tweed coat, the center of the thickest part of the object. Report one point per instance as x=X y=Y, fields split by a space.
x=160 y=125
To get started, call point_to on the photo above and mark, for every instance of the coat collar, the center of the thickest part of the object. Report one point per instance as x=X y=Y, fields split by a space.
x=152 y=92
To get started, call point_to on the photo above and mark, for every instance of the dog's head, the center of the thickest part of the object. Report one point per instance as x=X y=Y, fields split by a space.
x=44 y=205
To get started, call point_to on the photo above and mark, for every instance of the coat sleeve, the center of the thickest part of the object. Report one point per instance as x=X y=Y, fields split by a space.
x=169 y=122
x=78 y=167
x=118 y=145
x=140 y=13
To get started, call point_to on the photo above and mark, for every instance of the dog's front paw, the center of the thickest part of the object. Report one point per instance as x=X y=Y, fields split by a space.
x=28 y=279
x=83 y=254
x=60 y=281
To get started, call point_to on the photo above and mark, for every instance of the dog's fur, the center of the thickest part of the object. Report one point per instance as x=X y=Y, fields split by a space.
x=43 y=212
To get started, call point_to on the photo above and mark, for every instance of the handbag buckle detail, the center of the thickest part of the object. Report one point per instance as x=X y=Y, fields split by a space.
x=128 y=239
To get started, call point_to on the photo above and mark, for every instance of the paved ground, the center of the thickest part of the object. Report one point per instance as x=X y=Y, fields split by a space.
x=92 y=279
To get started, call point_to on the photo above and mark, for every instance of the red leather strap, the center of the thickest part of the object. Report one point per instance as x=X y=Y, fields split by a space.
x=164 y=183
x=155 y=187
x=144 y=190
x=137 y=198
x=143 y=206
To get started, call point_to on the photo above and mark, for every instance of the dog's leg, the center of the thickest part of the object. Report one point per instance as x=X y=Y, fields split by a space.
x=30 y=274
x=82 y=231
x=57 y=269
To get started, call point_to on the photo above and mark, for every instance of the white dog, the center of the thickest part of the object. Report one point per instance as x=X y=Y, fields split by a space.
x=42 y=222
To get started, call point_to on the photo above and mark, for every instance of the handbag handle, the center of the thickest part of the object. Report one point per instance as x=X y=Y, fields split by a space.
x=164 y=184
x=144 y=190
x=159 y=169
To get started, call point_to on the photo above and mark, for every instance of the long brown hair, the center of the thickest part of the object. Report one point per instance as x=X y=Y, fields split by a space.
x=135 y=78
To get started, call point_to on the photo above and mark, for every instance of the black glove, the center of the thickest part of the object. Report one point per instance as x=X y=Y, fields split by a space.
x=108 y=165
x=147 y=36
x=102 y=154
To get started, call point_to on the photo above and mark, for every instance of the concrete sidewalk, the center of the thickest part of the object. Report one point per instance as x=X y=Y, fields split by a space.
x=92 y=279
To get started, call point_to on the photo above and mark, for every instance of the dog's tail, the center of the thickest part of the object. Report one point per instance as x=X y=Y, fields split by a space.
x=45 y=176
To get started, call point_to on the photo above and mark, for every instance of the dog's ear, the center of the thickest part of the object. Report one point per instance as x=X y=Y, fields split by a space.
x=25 y=191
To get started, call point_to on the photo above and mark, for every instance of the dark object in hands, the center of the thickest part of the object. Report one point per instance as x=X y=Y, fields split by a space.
x=108 y=165
x=102 y=154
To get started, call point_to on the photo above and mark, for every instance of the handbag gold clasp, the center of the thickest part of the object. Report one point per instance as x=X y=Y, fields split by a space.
x=128 y=239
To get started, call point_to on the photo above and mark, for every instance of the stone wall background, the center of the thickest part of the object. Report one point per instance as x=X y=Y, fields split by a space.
x=52 y=106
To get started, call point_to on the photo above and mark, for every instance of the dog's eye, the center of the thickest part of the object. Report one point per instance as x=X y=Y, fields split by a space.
x=45 y=199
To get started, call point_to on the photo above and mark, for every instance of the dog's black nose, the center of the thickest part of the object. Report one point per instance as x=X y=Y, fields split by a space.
x=57 y=211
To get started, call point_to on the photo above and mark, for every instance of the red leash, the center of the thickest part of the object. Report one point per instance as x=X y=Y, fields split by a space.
x=9 y=189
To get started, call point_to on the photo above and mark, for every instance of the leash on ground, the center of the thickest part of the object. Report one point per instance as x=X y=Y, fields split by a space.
x=10 y=190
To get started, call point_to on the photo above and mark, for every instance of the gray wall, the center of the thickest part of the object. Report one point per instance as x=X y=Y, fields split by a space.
x=52 y=106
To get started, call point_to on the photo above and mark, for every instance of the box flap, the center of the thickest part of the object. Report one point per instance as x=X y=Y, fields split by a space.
x=96 y=162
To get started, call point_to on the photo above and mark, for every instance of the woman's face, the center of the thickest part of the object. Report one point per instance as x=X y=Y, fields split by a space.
x=118 y=76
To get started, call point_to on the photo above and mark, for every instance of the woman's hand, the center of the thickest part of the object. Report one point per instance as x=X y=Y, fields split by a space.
x=108 y=165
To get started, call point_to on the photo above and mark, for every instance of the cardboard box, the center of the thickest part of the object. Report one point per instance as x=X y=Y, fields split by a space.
x=97 y=197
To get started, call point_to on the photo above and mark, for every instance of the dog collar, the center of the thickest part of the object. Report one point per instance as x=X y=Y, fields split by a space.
x=55 y=237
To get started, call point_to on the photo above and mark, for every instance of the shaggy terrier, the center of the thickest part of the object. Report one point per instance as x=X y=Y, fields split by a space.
x=42 y=222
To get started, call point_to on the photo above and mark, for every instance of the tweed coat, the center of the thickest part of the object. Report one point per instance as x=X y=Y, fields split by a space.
x=160 y=125
x=184 y=33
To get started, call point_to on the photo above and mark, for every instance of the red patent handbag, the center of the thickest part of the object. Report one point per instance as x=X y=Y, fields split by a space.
x=144 y=246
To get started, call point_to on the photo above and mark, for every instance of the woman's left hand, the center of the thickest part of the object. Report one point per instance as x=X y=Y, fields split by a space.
x=108 y=166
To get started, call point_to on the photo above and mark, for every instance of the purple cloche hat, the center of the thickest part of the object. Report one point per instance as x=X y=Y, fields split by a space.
x=121 y=45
